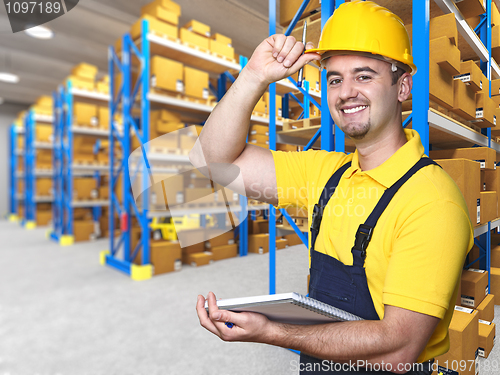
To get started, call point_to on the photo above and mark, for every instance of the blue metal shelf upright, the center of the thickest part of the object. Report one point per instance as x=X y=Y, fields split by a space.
x=63 y=162
x=122 y=100
x=29 y=221
x=15 y=132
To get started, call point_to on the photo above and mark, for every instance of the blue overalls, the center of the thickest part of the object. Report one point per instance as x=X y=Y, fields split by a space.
x=343 y=286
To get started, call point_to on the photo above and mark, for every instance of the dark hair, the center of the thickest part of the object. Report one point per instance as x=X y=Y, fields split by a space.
x=397 y=75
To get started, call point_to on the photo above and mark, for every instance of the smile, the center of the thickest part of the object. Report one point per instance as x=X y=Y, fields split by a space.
x=355 y=109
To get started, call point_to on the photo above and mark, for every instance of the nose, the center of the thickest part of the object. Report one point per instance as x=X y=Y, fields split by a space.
x=347 y=90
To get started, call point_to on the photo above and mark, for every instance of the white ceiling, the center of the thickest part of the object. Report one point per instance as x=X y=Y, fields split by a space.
x=84 y=34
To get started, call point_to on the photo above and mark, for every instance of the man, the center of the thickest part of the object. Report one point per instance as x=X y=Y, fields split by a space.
x=402 y=274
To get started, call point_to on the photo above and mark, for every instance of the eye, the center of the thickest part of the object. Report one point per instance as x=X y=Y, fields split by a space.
x=364 y=78
x=335 y=81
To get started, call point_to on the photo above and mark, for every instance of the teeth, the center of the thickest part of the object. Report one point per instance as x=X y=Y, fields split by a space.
x=354 y=110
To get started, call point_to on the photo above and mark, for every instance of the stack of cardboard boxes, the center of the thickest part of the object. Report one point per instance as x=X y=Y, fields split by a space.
x=258 y=237
x=163 y=17
x=474 y=171
x=206 y=251
x=472 y=331
x=83 y=77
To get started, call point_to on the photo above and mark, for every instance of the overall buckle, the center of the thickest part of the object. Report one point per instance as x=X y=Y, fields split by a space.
x=363 y=237
x=317 y=216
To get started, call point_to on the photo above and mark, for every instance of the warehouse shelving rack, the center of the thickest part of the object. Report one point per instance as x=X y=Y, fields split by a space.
x=15 y=153
x=31 y=173
x=122 y=101
x=424 y=121
x=63 y=163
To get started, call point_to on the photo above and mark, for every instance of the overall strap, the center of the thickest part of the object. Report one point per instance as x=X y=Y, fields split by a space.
x=325 y=196
x=365 y=231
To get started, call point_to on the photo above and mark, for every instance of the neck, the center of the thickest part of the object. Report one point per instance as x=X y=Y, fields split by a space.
x=374 y=153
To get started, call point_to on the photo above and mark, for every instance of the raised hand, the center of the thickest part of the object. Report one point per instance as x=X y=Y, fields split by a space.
x=278 y=57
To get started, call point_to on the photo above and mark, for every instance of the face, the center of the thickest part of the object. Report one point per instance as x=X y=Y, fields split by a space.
x=363 y=101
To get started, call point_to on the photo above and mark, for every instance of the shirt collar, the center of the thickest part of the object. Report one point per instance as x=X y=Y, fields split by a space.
x=397 y=165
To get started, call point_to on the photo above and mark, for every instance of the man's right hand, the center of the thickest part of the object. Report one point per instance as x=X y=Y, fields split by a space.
x=278 y=57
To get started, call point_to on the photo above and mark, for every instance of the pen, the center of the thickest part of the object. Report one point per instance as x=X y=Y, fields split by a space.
x=229 y=325
x=301 y=71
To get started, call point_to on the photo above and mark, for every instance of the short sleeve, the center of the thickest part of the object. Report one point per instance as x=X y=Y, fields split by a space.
x=427 y=258
x=298 y=173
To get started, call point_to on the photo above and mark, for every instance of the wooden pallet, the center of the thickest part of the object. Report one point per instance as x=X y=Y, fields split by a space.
x=301 y=124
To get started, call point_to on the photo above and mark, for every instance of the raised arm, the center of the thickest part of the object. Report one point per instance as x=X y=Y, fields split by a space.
x=223 y=138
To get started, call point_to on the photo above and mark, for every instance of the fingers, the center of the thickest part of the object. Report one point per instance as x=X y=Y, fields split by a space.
x=286 y=49
x=205 y=320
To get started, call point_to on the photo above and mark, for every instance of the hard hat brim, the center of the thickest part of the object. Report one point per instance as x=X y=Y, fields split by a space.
x=321 y=51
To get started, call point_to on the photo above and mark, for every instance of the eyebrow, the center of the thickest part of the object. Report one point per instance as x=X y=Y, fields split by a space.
x=355 y=70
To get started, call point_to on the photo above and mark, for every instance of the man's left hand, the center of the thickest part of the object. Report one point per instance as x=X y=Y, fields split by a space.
x=247 y=326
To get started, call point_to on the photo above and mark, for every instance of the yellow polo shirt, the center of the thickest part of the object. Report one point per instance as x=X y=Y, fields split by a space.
x=415 y=257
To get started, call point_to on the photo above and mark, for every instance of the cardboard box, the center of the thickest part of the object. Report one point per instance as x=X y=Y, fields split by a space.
x=192 y=249
x=224 y=252
x=445 y=54
x=85 y=71
x=104 y=192
x=200 y=259
x=222 y=39
x=196 y=83
x=43 y=133
x=186 y=142
x=169 y=5
x=167 y=74
x=260 y=106
x=495 y=282
x=81 y=83
x=288 y=9
x=464 y=100
x=471 y=75
x=43 y=217
x=489 y=206
x=258 y=243
x=259 y=226
x=259 y=129
x=161 y=13
x=194 y=40
x=103 y=117
x=281 y=243
x=490 y=180
x=166 y=256
x=464 y=341
x=444 y=25
x=471 y=8
x=85 y=114
x=43 y=159
x=279 y=102
x=486 y=338
x=167 y=187
x=83 y=230
x=440 y=85
x=495 y=42
x=466 y=175
x=198 y=28
x=85 y=188
x=102 y=87
x=294 y=211
x=486 y=309
x=82 y=213
x=474 y=287
x=43 y=186
x=286 y=147
x=495 y=254
x=222 y=240
x=156 y=26
x=495 y=87
x=484 y=155
x=293 y=239
x=220 y=48
x=258 y=138
x=163 y=127
x=201 y=195
x=485 y=111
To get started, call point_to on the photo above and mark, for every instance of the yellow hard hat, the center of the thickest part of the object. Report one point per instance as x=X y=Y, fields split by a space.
x=366 y=27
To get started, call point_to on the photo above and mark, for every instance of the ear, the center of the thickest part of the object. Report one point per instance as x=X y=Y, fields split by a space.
x=405 y=84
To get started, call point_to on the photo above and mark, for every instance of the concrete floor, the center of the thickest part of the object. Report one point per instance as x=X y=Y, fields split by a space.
x=62 y=313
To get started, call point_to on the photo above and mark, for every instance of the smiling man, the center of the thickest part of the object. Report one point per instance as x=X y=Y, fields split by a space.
x=384 y=220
